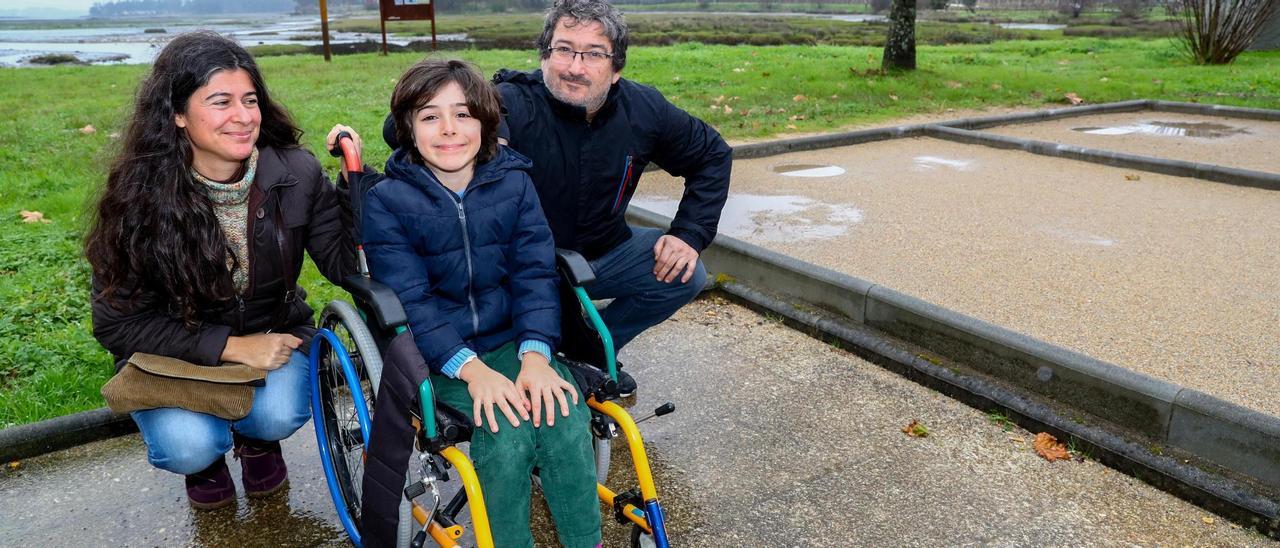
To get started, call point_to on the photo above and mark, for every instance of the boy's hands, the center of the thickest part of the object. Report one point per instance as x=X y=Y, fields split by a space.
x=489 y=388
x=544 y=386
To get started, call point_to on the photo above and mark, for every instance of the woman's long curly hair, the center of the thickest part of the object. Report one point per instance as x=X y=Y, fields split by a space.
x=153 y=225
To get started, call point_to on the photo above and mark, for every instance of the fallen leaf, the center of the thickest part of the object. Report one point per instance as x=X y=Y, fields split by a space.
x=795 y=117
x=114 y=135
x=33 y=217
x=1132 y=177
x=798 y=98
x=1104 y=79
x=1016 y=439
x=1073 y=98
x=996 y=86
x=714 y=107
x=791 y=126
x=1049 y=447
x=915 y=429
x=728 y=109
x=954 y=84
x=834 y=97
x=737 y=69
x=15 y=465
x=675 y=78
x=1207 y=520
x=88 y=129
x=894 y=97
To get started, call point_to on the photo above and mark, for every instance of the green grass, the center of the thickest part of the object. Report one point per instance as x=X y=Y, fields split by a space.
x=50 y=365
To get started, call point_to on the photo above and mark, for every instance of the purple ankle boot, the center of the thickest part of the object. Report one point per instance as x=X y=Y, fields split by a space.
x=212 y=487
x=262 y=466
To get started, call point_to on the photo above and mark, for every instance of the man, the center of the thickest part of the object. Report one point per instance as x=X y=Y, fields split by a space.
x=590 y=134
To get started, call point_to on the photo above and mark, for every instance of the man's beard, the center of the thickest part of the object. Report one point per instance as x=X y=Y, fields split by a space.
x=591 y=103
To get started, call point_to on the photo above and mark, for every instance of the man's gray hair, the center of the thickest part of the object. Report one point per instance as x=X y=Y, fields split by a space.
x=584 y=12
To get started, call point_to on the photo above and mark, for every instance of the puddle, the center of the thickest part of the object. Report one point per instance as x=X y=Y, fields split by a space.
x=1076 y=236
x=1202 y=130
x=929 y=163
x=771 y=218
x=808 y=170
x=1032 y=26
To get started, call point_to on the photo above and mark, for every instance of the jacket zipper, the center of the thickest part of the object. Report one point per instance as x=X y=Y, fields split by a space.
x=466 y=248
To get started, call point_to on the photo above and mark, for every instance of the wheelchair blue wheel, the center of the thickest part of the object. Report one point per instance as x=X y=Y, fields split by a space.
x=345 y=360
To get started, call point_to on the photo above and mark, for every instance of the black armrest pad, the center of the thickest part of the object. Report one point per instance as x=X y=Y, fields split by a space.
x=376 y=300
x=574 y=267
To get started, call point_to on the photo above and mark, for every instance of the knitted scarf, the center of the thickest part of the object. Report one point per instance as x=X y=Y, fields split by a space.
x=231 y=205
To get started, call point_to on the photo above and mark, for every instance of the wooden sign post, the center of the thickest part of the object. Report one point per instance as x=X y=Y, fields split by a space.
x=406 y=10
x=324 y=29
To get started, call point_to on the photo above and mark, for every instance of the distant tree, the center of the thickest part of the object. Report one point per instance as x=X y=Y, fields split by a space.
x=878 y=6
x=900 y=46
x=971 y=5
x=1215 y=32
x=1133 y=9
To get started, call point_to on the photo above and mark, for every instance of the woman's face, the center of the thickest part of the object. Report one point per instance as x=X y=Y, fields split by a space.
x=446 y=135
x=222 y=121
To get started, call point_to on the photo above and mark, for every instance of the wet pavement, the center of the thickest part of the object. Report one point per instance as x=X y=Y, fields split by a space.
x=777 y=439
x=1230 y=142
x=1170 y=276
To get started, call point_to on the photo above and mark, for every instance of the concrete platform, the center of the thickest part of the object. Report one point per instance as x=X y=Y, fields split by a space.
x=1169 y=276
x=1231 y=142
x=777 y=439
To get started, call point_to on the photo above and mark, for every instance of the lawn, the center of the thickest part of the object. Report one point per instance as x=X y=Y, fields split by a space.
x=50 y=365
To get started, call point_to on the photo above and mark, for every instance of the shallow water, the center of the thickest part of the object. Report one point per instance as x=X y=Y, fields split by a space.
x=1201 y=130
x=1031 y=26
x=759 y=217
x=930 y=163
x=808 y=170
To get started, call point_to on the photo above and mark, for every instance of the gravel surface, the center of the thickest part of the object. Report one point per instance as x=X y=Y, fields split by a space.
x=777 y=438
x=1173 y=277
x=1231 y=142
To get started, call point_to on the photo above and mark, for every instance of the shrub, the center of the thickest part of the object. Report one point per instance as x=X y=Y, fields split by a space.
x=1215 y=32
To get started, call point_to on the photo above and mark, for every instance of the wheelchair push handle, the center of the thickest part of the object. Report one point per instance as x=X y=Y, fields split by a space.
x=345 y=146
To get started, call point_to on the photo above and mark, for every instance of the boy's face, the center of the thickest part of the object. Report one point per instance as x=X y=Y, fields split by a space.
x=446 y=135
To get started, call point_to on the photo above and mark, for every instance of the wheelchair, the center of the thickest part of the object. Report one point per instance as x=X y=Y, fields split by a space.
x=346 y=373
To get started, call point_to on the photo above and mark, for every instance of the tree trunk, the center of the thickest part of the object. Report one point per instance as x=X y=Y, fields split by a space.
x=900 y=47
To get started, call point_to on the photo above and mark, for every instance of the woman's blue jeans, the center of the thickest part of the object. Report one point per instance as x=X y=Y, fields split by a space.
x=186 y=442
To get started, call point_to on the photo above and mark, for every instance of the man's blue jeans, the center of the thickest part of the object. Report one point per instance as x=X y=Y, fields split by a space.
x=186 y=442
x=640 y=299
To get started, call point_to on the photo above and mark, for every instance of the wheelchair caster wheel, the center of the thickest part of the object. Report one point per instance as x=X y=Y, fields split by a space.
x=641 y=539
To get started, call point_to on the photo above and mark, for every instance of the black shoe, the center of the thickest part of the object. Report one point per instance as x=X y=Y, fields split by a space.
x=626 y=384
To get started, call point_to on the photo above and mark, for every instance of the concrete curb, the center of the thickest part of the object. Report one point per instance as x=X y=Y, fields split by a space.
x=1180 y=168
x=772 y=148
x=1219 y=433
x=983 y=122
x=1216 y=110
x=38 y=438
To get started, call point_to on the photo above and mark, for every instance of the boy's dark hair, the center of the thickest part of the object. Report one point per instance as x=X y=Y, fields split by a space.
x=423 y=81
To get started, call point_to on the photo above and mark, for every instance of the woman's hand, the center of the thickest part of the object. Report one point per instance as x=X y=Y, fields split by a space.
x=489 y=388
x=265 y=351
x=331 y=141
x=544 y=386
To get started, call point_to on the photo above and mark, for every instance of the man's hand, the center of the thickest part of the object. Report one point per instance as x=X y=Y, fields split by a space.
x=265 y=351
x=544 y=386
x=671 y=257
x=489 y=388
x=331 y=141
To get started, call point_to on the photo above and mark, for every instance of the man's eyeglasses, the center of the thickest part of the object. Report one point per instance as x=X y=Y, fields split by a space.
x=564 y=56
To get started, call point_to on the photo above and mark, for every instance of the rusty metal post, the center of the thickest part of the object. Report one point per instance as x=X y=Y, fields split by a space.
x=324 y=29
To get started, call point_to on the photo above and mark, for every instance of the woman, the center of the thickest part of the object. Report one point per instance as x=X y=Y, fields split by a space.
x=196 y=246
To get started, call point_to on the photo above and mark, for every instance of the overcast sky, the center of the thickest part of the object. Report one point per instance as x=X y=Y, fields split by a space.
x=29 y=7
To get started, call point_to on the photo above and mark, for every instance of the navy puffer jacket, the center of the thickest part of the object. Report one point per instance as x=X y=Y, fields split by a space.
x=476 y=271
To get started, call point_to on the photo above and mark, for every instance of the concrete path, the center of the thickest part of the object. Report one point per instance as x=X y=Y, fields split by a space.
x=1170 y=276
x=778 y=439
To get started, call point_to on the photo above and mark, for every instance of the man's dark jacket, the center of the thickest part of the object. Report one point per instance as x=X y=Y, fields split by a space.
x=291 y=202
x=586 y=172
x=477 y=270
